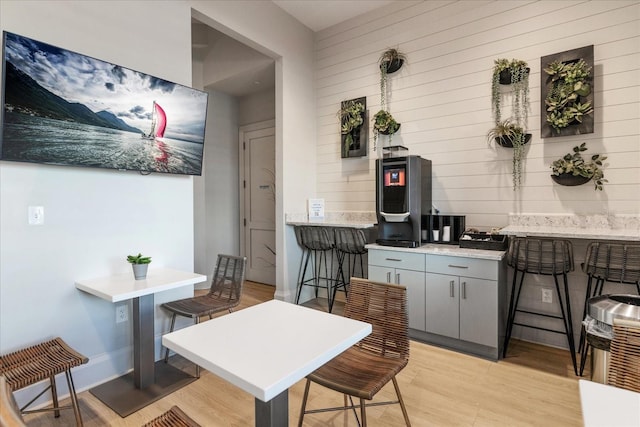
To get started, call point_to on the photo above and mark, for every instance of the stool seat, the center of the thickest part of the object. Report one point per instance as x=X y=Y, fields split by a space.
x=553 y=257
x=40 y=362
x=317 y=245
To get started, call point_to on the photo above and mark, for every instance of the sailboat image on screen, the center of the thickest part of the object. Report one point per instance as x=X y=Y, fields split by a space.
x=158 y=123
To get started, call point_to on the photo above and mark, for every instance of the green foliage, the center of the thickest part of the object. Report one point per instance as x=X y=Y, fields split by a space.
x=138 y=259
x=574 y=164
x=570 y=82
x=384 y=123
x=516 y=135
x=518 y=69
x=351 y=119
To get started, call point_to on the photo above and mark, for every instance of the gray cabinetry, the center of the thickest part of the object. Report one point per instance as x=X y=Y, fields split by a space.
x=405 y=269
x=457 y=301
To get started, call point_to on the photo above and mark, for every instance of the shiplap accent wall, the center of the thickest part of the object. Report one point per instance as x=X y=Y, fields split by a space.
x=442 y=97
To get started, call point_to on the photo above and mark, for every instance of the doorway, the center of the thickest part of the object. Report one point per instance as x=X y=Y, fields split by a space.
x=258 y=201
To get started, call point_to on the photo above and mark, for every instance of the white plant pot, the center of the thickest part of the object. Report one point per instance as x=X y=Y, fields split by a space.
x=140 y=271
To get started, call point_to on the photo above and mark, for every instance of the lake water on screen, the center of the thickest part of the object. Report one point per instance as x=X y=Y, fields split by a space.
x=37 y=139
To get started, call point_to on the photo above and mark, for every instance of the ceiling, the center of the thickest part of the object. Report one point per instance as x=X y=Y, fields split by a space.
x=314 y=14
x=320 y=14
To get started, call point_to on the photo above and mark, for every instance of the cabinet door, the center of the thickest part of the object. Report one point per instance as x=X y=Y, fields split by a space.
x=381 y=274
x=414 y=282
x=442 y=305
x=479 y=311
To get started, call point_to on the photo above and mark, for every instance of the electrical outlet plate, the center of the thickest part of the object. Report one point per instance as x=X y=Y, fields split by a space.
x=547 y=295
x=122 y=314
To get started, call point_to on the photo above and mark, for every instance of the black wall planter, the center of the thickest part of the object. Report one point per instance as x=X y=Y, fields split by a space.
x=569 y=179
x=546 y=86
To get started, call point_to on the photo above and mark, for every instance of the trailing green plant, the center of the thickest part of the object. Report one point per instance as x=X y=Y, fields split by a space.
x=518 y=76
x=351 y=119
x=505 y=133
x=383 y=121
x=565 y=101
x=574 y=164
x=385 y=124
x=138 y=259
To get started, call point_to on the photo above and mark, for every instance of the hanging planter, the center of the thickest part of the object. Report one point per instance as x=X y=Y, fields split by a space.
x=513 y=75
x=389 y=62
x=570 y=180
x=508 y=141
x=508 y=134
x=573 y=170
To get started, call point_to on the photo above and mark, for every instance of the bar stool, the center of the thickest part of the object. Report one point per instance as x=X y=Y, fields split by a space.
x=551 y=257
x=607 y=262
x=317 y=246
x=350 y=246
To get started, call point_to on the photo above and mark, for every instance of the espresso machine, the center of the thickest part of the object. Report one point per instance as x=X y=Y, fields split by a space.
x=403 y=195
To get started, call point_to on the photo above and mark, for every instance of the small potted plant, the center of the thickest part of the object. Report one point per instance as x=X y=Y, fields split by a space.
x=140 y=265
x=509 y=134
x=390 y=61
x=572 y=169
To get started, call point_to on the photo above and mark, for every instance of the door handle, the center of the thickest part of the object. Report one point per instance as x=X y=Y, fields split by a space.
x=397 y=278
x=451 y=290
x=393 y=259
x=388 y=277
x=458 y=266
x=464 y=290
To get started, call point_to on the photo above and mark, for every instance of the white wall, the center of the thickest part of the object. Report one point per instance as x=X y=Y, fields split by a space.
x=442 y=98
x=258 y=107
x=94 y=218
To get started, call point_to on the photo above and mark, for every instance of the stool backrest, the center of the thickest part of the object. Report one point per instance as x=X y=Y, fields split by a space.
x=315 y=238
x=350 y=240
x=613 y=262
x=540 y=256
x=228 y=278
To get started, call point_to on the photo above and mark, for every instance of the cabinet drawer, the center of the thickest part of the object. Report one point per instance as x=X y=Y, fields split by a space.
x=460 y=266
x=397 y=259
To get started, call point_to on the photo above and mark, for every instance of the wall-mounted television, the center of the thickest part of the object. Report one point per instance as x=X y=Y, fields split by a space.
x=63 y=108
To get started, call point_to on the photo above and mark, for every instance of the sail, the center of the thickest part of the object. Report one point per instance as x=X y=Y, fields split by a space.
x=161 y=121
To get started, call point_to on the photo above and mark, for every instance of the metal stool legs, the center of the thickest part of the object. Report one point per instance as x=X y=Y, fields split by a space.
x=317 y=247
x=546 y=257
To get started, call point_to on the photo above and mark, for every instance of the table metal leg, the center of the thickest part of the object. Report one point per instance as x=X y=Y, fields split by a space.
x=143 y=344
x=274 y=413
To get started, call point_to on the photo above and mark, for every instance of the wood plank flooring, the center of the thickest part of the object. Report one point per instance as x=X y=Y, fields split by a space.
x=533 y=386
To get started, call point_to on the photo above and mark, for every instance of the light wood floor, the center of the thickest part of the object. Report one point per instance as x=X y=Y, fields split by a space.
x=533 y=386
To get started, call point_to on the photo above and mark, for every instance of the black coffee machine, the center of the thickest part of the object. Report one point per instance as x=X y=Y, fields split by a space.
x=403 y=195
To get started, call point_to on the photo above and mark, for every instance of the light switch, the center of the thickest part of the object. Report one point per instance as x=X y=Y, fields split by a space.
x=36 y=215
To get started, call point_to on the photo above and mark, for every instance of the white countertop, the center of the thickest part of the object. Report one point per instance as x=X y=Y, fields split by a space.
x=124 y=287
x=349 y=224
x=572 y=232
x=604 y=405
x=266 y=348
x=443 y=249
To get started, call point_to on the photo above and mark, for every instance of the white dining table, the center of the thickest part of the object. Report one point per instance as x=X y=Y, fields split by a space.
x=266 y=348
x=607 y=406
x=149 y=380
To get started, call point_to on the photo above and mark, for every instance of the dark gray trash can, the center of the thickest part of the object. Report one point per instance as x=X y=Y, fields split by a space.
x=601 y=312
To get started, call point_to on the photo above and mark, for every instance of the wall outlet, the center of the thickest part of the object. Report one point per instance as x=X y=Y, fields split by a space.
x=547 y=295
x=122 y=314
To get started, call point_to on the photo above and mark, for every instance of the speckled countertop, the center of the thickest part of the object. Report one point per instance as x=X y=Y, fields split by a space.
x=335 y=219
x=576 y=226
x=446 y=250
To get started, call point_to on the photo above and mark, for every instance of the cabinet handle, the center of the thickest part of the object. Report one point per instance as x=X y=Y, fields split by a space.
x=464 y=290
x=388 y=277
x=451 y=284
x=458 y=266
x=393 y=259
x=397 y=278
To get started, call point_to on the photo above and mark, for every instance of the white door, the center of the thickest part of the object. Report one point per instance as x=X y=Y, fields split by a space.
x=259 y=207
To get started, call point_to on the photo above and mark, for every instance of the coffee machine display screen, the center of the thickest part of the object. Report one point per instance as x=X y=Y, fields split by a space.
x=394 y=177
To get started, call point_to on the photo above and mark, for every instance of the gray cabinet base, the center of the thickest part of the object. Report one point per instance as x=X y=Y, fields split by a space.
x=474 y=349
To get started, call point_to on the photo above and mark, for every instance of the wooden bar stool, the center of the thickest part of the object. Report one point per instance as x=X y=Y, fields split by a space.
x=317 y=247
x=350 y=246
x=551 y=257
x=40 y=362
x=615 y=263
